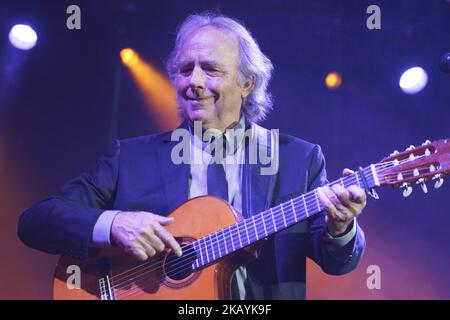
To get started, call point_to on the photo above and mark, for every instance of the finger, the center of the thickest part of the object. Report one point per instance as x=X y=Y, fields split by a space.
x=168 y=239
x=357 y=194
x=331 y=203
x=137 y=252
x=324 y=198
x=326 y=203
x=147 y=247
x=347 y=207
x=151 y=238
x=342 y=195
x=164 y=220
x=347 y=172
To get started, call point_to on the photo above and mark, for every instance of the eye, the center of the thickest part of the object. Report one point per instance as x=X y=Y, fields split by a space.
x=213 y=71
x=185 y=70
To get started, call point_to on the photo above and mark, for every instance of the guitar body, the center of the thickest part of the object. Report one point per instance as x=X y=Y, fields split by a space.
x=116 y=275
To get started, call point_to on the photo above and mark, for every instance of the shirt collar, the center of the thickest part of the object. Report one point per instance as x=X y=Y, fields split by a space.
x=235 y=132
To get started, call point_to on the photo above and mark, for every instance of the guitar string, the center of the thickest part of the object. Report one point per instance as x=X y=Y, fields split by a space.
x=237 y=229
x=259 y=222
x=337 y=181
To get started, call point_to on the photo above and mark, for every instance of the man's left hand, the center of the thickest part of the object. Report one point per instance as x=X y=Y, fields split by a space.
x=342 y=205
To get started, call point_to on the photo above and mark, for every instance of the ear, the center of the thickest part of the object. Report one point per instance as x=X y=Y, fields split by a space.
x=248 y=86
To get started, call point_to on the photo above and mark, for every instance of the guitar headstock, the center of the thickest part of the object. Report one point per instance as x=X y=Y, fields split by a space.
x=416 y=165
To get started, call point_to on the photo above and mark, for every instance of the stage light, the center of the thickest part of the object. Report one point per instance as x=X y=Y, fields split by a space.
x=413 y=80
x=333 y=80
x=158 y=92
x=22 y=37
x=129 y=57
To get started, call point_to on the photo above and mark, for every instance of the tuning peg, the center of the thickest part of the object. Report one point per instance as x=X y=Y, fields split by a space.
x=439 y=181
x=423 y=185
x=394 y=153
x=407 y=191
x=426 y=142
x=411 y=147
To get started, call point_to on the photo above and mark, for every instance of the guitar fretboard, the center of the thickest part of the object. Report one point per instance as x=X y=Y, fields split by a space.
x=221 y=243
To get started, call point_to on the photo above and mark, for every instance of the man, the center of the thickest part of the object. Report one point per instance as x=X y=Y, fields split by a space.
x=221 y=77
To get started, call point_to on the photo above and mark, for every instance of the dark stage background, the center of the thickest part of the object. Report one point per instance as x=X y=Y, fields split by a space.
x=56 y=116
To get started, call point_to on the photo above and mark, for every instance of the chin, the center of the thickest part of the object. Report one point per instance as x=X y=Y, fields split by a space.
x=197 y=115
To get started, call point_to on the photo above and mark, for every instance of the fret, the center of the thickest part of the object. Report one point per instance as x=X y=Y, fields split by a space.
x=254 y=225
x=246 y=232
x=342 y=182
x=284 y=218
x=264 y=224
x=201 y=252
x=239 y=235
x=293 y=210
x=212 y=247
x=218 y=244
x=317 y=199
x=195 y=249
x=224 y=241
x=235 y=234
x=266 y=216
x=206 y=247
x=306 y=207
x=357 y=179
x=273 y=220
x=231 y=236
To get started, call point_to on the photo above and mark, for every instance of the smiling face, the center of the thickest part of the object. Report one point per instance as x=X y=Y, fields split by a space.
x=207 y=81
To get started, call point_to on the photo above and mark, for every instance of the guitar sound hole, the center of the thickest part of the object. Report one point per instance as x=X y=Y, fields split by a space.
x=179 y=268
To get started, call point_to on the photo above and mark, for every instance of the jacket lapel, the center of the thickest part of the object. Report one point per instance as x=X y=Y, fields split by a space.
x=175 y=176
x=258 y=186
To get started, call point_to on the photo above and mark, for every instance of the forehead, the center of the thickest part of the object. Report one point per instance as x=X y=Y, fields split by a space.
x=210 y=43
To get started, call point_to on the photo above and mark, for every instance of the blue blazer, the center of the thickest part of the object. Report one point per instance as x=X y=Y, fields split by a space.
x=138 y=174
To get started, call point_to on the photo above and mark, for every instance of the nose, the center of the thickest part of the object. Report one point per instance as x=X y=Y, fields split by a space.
x=197 y=81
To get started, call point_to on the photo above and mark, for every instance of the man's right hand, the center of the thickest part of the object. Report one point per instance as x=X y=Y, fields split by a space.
x=142 y=234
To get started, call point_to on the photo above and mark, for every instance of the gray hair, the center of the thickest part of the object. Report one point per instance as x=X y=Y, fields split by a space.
x=252 y=62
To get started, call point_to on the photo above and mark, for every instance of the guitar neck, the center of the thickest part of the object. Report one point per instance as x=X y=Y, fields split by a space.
x=226 y=241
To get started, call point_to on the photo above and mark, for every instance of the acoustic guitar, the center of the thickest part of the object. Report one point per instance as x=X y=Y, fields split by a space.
x=215 y=248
